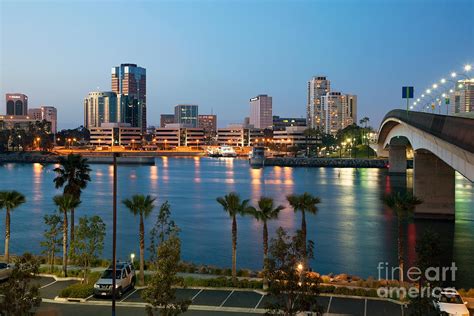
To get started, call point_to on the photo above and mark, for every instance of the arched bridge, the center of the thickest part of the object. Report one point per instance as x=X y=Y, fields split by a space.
x=439 y=145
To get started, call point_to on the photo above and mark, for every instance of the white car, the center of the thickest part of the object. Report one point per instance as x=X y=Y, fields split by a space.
x=125 y=279
x=5 y=271
x=450 y=303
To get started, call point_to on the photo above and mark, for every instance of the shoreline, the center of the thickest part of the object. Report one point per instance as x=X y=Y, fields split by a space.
x=147 y=158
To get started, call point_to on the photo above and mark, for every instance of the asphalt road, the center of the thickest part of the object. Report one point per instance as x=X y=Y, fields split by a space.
x=205 y=302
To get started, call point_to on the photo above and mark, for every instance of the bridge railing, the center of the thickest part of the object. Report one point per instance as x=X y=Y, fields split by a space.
x=456 y=130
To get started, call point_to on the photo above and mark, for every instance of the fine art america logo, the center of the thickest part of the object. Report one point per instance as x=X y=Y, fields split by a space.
x=414 y=277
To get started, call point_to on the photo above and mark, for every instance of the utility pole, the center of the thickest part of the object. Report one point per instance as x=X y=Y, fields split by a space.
x=114 y=234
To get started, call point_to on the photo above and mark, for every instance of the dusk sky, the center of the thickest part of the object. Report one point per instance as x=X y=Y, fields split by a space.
x=218 y=54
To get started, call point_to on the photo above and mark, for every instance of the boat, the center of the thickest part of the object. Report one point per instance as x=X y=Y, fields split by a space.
x=223 y=151
x=257 y=157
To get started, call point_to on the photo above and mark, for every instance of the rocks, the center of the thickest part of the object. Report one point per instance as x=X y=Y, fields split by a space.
x=326 y=162
x=28 y=157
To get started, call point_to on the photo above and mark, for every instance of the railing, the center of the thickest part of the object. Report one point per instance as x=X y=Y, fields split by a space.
x=458 y=131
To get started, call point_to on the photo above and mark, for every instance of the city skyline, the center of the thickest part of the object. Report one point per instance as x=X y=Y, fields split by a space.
x=371 y=58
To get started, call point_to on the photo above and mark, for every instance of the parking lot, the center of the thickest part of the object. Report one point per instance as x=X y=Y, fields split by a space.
x=230 y=301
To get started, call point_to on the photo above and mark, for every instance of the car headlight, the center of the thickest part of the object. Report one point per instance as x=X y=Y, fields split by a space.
x=96 y=286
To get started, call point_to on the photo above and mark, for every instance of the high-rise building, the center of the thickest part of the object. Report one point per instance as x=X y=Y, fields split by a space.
x=463 y=97
x=349 y=110
x=208 y=123
x=47 y=113
x=186 y=114
x=129 y=83
x=337 y=112
x=101 y=107
x=261 y=111
x=17 y=104
x=166 y=119
x=318 y=86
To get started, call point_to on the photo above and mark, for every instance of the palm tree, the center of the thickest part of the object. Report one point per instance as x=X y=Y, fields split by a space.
x=73 y=174
x=305 y=203
x=403 y=205
x=9 y=200
x=266 y=211
x=65 y=203
x=233 y=206
x=141 y=205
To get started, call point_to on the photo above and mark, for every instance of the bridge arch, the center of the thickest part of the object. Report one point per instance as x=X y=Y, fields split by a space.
x=440 y=145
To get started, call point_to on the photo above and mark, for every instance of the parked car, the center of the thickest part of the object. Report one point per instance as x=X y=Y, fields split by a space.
x=125 y=280
x=450 y=303
x=5 y=271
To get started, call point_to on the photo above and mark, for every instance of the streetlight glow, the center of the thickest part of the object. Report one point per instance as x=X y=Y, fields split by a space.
x=453 y=74
x=443 y=81
x=467 y=67
x=435 y=86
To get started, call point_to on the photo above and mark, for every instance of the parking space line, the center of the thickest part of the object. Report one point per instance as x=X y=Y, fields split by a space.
x=365 y=308
x=259 y=301
x=329 y=304
x=197 y=294
x=227 y=298
x=130 y=294
x=48 y=284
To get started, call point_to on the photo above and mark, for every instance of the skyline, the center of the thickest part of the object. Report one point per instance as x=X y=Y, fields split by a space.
x=208 y=60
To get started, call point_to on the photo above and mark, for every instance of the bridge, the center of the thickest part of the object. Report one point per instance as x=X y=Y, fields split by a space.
x=439 y=146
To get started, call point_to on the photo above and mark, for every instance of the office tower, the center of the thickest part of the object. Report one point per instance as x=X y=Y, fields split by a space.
x=349 y=110
x=318 y=86
x=17 y=104
x=166 y=119
x=261 y=111
x=47 y=113
x=208 y=123
x=101 y=107
x=129 y=83
x=186 y=114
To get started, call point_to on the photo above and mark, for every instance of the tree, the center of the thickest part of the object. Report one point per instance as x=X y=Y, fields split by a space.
x=73 y=174
x=305 y=203
x=9 y=200
x=403 y=205
x=163 y=227
x=19 y=294
x=161 y=292
x=52 y=237
x=266 y=211
x=89 y=242
x=292 y=289
x=233 y=206
x=65 y=203
x=141 y=205
x=428 y=254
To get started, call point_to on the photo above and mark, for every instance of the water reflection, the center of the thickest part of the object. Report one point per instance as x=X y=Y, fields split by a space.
x=353 y=230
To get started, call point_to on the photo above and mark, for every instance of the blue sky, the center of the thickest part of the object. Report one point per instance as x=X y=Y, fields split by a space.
x=218 y=54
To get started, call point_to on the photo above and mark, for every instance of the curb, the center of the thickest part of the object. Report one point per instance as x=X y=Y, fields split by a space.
x=56 y=278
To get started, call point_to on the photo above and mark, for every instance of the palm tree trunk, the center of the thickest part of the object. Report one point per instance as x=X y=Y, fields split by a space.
x=234 y=251
x=400 y=249
x=265 y=255
x=52 y=259
x=303 y=232
x=7 y=236
x=72 y=233
x=142 y=251
x=65 y=244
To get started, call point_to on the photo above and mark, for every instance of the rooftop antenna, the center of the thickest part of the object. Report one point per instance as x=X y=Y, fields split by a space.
x=212 y=111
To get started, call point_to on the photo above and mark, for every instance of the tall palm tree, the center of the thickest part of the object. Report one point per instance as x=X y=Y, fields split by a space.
x=266 y=211
x=9 y=200
x=305 y=203
x=141 y=205
x=403 y=205
x=233 y=206
x=73 y=174
x=65 y=203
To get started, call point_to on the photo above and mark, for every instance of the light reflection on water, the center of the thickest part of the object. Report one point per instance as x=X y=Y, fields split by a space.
x=352 y=231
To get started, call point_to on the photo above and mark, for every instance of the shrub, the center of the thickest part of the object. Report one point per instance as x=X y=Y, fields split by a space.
x=223 y=282
x=78 y=290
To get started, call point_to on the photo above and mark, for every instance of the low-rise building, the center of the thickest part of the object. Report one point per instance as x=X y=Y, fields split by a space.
x=280 y=123
x=47 y=113
x=166 y=119
x=115 y=134
x=178 y=135
x=291 y=136
x=23 y=122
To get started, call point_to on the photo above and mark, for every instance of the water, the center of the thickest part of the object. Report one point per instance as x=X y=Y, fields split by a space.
x=352 y=231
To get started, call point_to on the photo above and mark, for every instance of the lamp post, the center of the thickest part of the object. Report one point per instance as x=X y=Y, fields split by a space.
x=132 y=257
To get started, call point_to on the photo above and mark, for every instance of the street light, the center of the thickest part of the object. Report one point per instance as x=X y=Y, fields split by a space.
x=467 y=67
x=132 y=256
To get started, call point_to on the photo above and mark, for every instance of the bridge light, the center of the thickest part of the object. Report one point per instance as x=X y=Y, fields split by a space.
x=453 y=74
x=422 y=95
x=451 y=90
x=443 y=81
x=428 y=91
x=418 y=100
x=435 y=86
x=411 y=107
x=467 y=67
x=444 y=95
